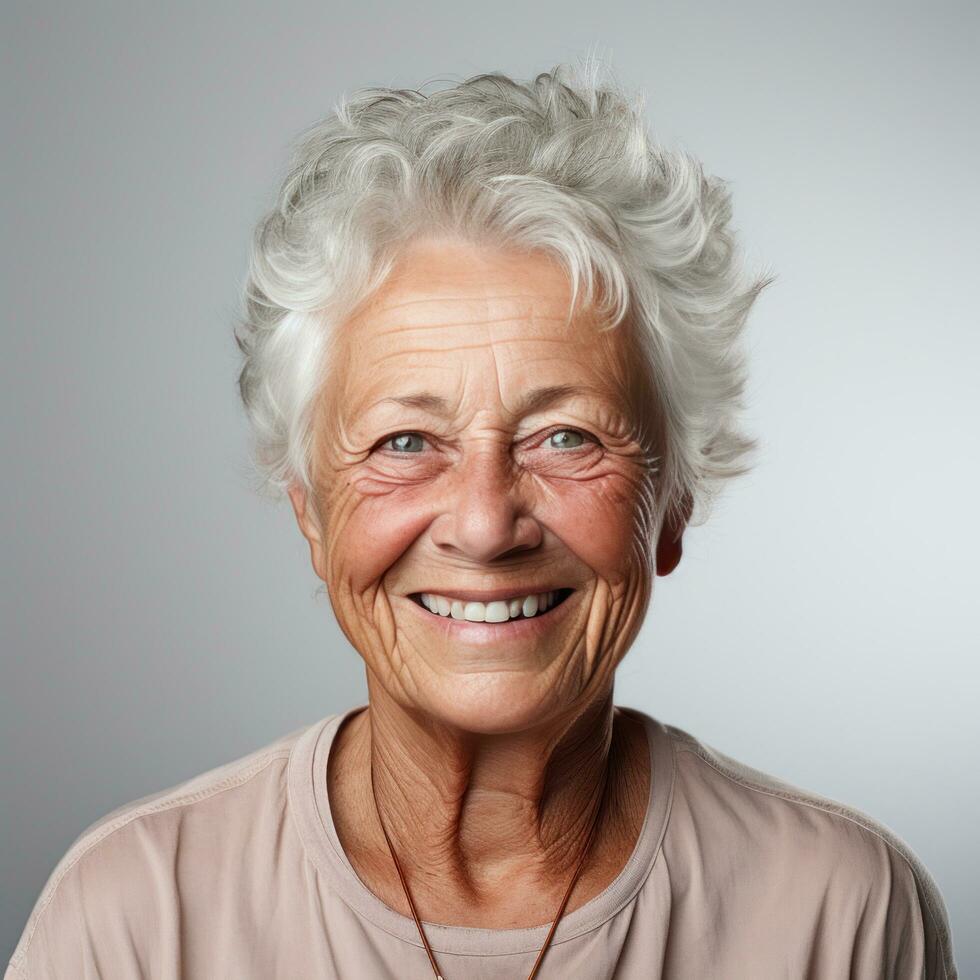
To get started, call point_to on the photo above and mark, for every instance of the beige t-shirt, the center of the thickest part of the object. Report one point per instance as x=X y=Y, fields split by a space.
x=238 y=873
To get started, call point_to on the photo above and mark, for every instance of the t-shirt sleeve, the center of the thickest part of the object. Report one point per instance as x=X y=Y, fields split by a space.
x=102 y=915
x=903 y=932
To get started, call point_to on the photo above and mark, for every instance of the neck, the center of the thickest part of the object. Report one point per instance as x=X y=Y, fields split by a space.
x=483 y=821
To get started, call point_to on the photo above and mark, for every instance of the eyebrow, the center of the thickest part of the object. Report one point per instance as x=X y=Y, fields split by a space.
x=534 y=401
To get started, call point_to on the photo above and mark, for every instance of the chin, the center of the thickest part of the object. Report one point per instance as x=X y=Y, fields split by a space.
x=492 y=704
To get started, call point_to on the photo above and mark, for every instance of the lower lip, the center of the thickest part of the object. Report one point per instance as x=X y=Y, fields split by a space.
x=485 y=634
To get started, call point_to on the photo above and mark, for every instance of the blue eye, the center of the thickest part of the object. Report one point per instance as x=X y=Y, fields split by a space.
x=401 y=442
x=563 y=438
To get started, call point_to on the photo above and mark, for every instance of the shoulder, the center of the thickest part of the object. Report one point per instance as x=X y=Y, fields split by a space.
x=118 y=880
x=808 y=848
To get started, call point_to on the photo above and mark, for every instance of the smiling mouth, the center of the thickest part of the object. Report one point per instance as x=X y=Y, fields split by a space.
x=478 y=610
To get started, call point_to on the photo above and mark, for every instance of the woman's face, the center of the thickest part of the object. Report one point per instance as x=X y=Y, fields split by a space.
x=469 y=442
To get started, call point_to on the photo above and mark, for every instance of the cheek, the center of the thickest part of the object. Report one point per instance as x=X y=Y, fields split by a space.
x=373 y=532
x=602 y=522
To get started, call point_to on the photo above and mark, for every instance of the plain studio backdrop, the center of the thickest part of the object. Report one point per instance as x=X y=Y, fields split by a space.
x=158 y=619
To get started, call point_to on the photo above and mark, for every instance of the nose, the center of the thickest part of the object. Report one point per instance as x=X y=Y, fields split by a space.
x=486 y=515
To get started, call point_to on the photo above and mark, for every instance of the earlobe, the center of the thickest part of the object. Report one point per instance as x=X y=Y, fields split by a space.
x=669 y=551
x=297 y=497
x=308 y=525
x=669 y=543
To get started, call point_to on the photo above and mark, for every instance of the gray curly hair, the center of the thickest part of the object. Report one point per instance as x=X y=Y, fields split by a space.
x=563 y=164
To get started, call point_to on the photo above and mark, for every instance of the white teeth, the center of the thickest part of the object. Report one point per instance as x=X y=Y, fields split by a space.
x=498 y=611
x=475 y=612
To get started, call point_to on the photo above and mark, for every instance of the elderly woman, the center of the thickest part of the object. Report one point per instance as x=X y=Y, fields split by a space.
x=491 y=354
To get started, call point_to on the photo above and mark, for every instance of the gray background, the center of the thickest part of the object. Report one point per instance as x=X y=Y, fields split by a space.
x=158 y=619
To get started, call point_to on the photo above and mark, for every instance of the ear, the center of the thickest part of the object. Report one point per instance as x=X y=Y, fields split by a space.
x=309 y=525
x=669 y=548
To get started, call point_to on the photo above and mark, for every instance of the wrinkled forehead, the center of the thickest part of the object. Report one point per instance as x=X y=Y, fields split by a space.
x=487 y=323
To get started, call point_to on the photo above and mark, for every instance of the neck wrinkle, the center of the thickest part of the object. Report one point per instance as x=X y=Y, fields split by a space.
x=472 y=811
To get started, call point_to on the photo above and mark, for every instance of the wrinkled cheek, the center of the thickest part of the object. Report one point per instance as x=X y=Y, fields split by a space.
x=604 y=523
x=370 y=531
x=371 y=535
x=367 y=536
